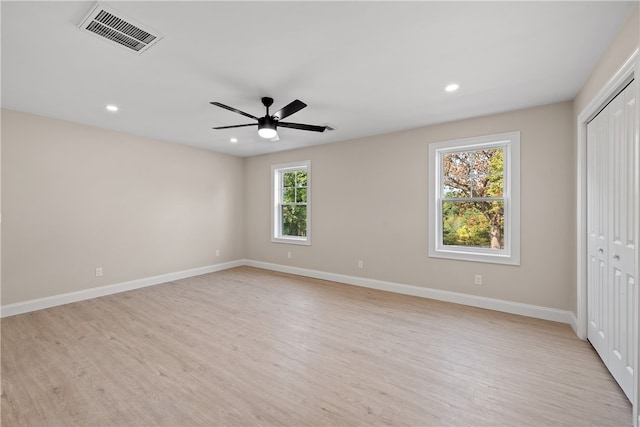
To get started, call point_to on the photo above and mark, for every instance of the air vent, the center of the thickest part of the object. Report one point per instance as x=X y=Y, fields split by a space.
x=114 y=27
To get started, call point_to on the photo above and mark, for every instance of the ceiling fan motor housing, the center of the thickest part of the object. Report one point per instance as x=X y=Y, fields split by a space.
x=267 y=122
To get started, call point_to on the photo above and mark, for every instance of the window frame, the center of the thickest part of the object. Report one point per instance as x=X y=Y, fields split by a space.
x=277 y=173
x=510 y=254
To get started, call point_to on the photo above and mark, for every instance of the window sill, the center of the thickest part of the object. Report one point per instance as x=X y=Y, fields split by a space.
x=462 y=255
x=292 y=240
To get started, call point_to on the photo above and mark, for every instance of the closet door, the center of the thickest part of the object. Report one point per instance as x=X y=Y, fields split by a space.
x=597 y=224
x=622 y=247
x=611 y=222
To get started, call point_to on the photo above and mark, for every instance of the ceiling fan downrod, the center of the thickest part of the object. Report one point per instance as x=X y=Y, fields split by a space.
x=267 y=102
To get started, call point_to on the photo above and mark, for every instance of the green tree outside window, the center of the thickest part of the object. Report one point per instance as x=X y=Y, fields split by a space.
x=473 y=202
x=294 y=203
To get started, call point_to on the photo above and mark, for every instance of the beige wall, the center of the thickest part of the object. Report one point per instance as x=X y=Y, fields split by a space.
x=623 y=46
x=370 y=203
x=76 y=198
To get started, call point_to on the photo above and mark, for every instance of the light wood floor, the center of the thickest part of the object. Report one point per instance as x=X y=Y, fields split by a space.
x=249 y=347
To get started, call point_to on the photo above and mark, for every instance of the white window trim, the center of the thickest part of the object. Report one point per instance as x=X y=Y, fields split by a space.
x=276 y=184
x=511 y=252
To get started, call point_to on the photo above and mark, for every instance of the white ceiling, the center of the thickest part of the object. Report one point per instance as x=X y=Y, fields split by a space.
x=366 y=68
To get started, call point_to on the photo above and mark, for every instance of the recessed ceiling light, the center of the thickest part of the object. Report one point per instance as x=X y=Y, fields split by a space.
x=233 y=140
x=452 y=87
x=112 y=108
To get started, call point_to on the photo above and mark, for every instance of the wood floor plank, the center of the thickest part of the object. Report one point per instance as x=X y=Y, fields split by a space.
x=248 y=347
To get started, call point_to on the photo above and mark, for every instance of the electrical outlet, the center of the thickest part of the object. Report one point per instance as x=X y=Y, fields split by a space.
x=478 y=279
x=98 y=271
x=289 y=255
x=360 y=264
x=217 y=252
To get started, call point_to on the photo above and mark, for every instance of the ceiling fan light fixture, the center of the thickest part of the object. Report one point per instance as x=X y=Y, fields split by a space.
x=267 y=132
x=267 y=127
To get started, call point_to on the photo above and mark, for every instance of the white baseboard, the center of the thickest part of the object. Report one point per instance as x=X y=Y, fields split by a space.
x=529 y=310
x=574 y=323
x=66 y=298
x=539 y=312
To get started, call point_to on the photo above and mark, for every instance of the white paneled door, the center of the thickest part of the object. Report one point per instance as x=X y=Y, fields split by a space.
x=597 y=216
x=611 y=218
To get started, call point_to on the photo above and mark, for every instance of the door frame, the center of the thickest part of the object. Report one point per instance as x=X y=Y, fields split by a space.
x=629 y=70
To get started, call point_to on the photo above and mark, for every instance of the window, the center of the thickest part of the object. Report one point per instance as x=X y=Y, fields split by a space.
x=474 y=199
x=291 y=203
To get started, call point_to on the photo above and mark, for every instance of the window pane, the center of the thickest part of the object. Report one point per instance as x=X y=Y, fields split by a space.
x=475 y=224
x=301 y=179
x=294 y=220
x=288 y=179
x=288 y=195
x=476 y=173
x=301 y=195
x=455 y=168
x=495 y=177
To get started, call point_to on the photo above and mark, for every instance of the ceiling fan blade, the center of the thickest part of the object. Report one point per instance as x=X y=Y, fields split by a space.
x=226 y=107
x=300 y=126
x=236 y=126
x=289 y=109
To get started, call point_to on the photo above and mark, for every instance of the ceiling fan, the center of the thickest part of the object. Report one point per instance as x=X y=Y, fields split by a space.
x=268 y=125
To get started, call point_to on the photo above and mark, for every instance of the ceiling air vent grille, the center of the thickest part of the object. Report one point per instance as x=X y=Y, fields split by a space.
x=112 y=26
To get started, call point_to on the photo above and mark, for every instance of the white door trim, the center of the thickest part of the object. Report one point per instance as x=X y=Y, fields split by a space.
x=628 y=71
